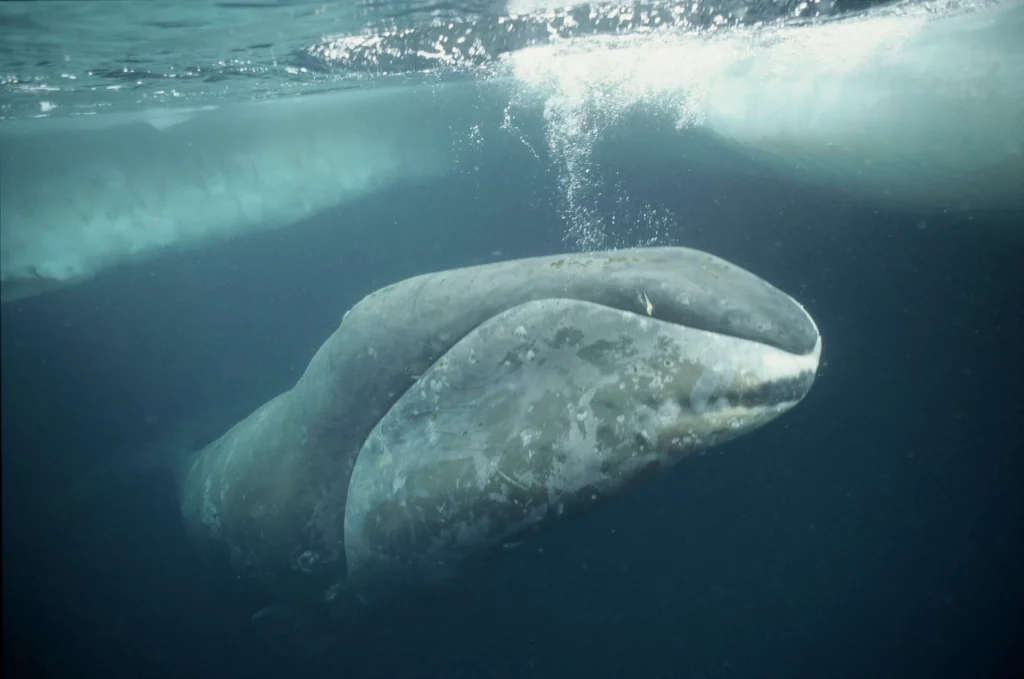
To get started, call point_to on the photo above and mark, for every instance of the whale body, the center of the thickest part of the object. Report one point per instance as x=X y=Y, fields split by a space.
x=456 y=412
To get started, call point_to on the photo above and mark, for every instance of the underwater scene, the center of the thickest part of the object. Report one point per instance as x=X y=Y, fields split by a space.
x=512 y=338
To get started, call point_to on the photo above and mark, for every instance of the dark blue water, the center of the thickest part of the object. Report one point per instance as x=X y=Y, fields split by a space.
x=875 y=531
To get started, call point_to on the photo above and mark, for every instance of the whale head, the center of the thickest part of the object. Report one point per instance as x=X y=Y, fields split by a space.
x=584 y=375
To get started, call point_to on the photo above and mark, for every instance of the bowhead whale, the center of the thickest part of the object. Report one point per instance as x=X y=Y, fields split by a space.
x=456 y=412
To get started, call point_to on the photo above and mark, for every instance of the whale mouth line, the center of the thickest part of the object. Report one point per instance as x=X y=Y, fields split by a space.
x=650 y=312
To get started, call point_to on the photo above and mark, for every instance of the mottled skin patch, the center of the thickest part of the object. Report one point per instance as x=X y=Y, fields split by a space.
x=598 y=351
x=565 y=337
